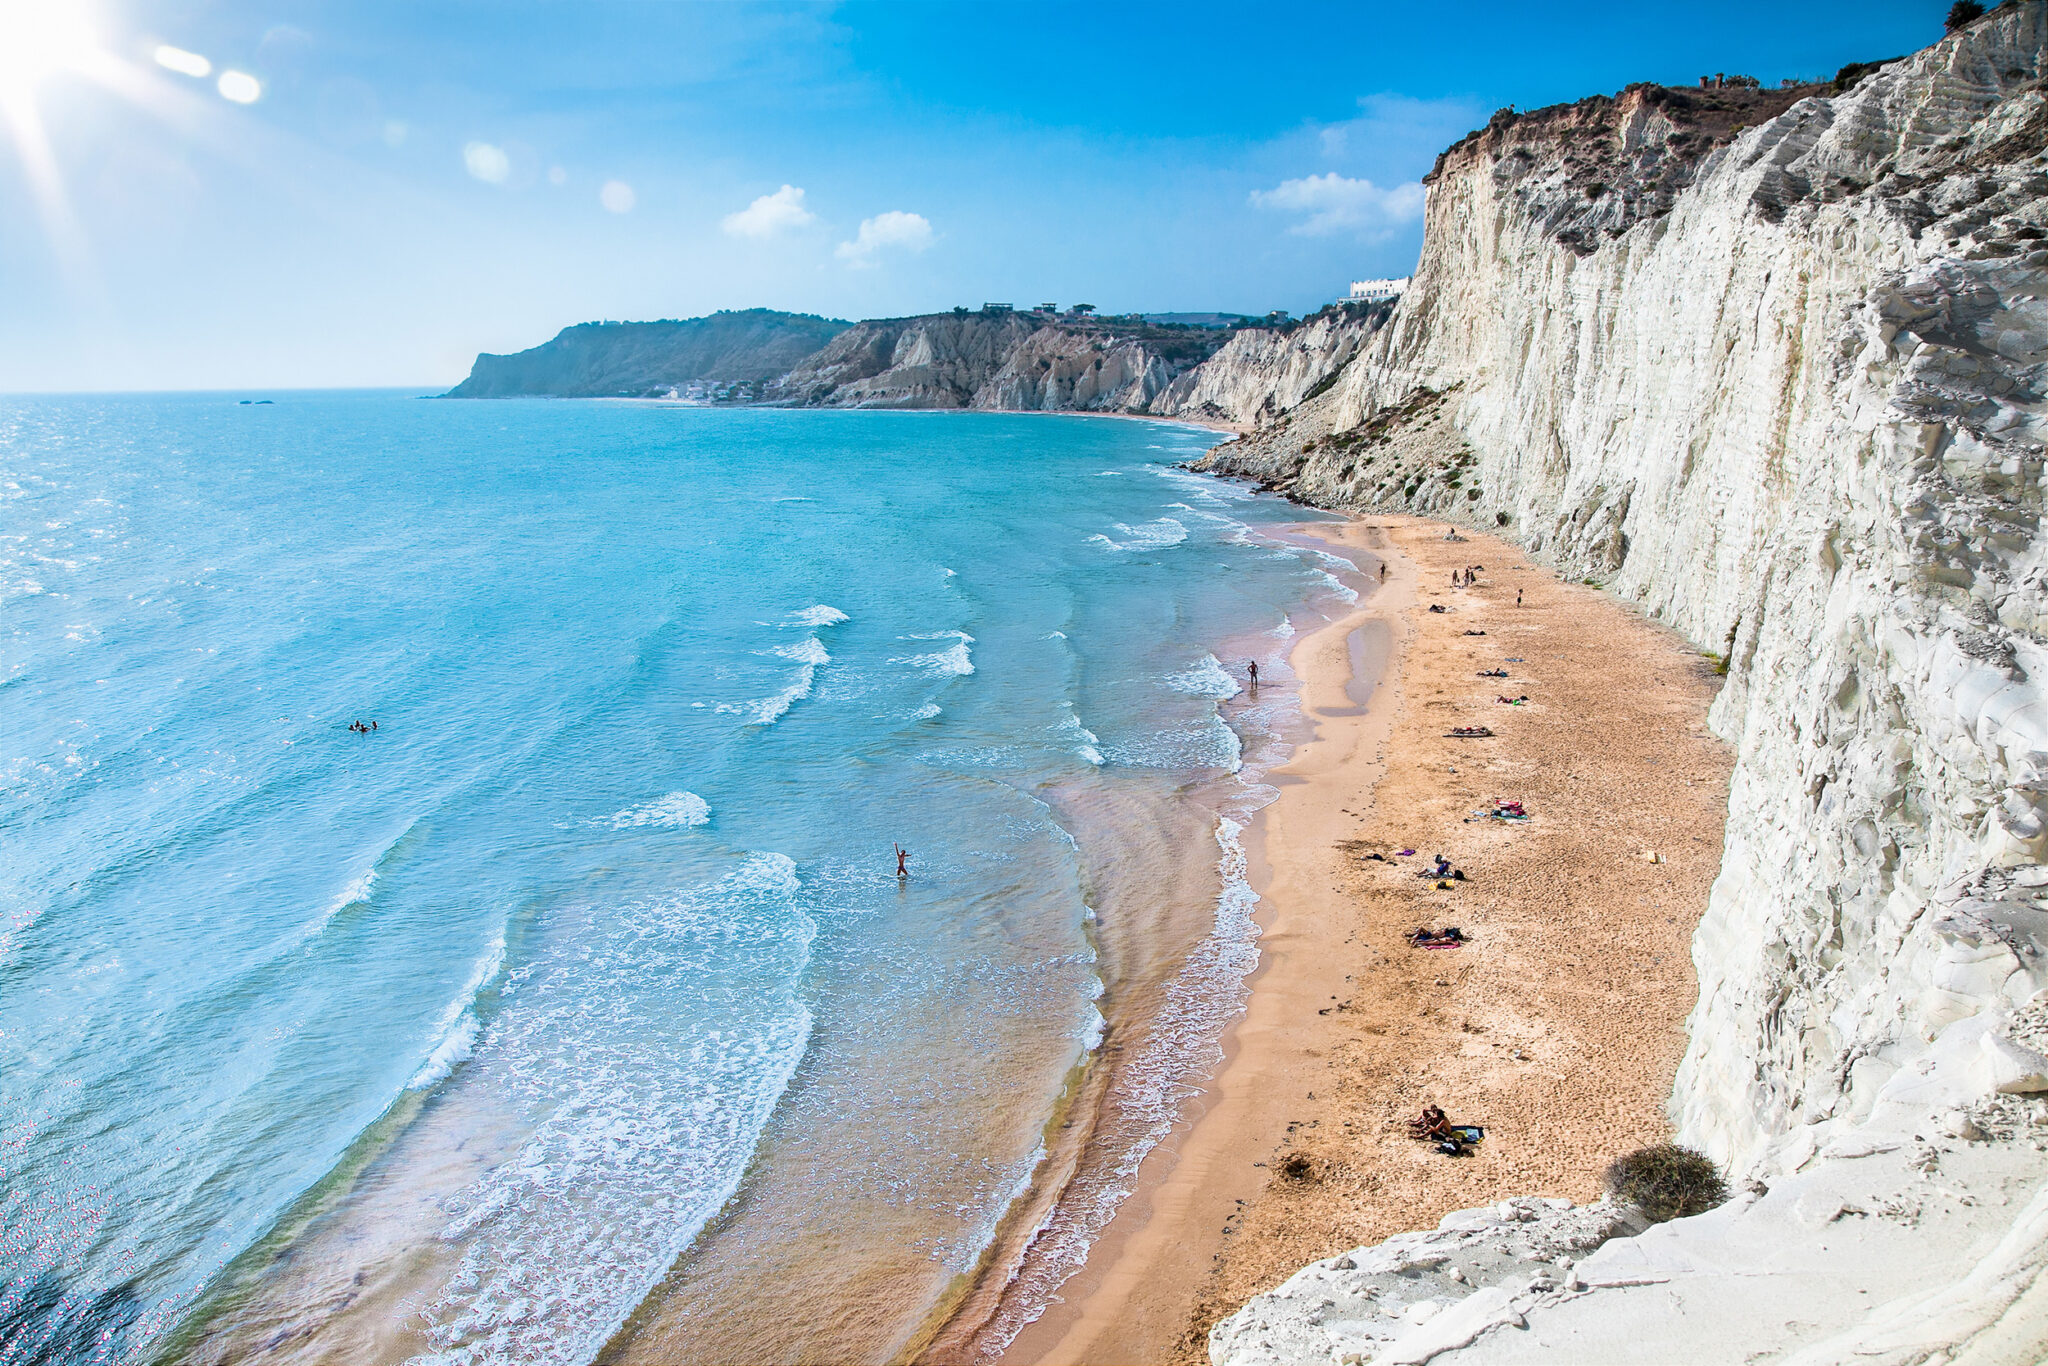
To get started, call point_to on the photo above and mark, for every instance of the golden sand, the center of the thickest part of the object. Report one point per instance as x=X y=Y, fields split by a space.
x=1558 y=1027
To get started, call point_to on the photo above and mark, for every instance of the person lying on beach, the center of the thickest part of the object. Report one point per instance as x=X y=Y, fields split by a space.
x=1437 y=939
x=1493 y=673
x=1438 y=607
x=1469 y=732
x=1475 y=633
x=1513 y=701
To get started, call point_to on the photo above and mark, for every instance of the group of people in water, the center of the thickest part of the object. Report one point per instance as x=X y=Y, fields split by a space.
x=362 y=727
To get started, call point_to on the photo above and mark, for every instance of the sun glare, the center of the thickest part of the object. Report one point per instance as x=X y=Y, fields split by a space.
x=185 y=63
x=39 y=38
x=240 y=87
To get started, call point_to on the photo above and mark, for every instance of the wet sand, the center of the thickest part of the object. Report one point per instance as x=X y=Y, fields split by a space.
x=1558 y=1027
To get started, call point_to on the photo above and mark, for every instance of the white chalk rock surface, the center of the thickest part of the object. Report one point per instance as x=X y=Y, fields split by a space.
x=1788 y=396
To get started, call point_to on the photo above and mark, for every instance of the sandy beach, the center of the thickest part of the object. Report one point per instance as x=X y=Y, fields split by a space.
x=1558 y=1026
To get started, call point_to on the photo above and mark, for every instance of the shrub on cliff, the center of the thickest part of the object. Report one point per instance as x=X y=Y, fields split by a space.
x=1961 y=13
x=1666 y=1182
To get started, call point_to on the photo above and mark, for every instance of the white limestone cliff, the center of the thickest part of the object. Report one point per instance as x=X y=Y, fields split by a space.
x=1787 y=393
x=1015 y=361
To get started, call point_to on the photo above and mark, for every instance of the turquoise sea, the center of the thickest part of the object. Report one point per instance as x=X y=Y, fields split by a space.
x=580 y=1002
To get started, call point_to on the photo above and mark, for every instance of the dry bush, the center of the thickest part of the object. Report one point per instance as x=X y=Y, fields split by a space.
x=1666 y=1182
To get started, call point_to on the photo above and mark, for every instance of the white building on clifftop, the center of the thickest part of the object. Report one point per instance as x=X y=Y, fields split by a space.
x=1374 y=291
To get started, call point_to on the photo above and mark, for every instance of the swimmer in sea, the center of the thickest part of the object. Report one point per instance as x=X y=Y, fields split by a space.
x=902 y=870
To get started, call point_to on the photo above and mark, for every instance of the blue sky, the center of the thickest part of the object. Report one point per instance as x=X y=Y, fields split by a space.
x=416 y=182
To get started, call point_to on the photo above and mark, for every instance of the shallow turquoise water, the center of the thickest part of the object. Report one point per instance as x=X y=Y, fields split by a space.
x=656 y=690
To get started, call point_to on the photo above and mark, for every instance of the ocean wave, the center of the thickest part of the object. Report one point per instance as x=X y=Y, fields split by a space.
x=821 y=615
x=1154 y=535
x=1085 y=741
x=676 y=809
x=1205 y=488
x=1208 y=742
x=809 y=650
x=766 y=711
x=357 y=893
x=640 y=1145
x=1205 y=678
x=954 y=662
x=1186 y=1037
x=455 y=1032
x=809 y=653
x=1336 y=585
x=928 y=711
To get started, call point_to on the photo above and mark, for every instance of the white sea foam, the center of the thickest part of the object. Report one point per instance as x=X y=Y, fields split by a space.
x=455 y=1032
x=927 y=711
x=1207 y=993
x=1085 y=741
x=955 y=661
x=821 y=615
x=641 y=1143
x=676 y=809
x=1205 y=678
x=809 y=650
x=766 y=711
x=1154 y=535
x=1205 y=488
x=355 y=894
x=1337 y=585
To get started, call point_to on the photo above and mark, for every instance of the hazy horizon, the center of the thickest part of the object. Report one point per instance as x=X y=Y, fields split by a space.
x=370 y=195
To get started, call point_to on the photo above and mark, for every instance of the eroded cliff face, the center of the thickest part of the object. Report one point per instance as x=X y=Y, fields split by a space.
x=1795 y=408
x=1260 y=374
x=1003 y=360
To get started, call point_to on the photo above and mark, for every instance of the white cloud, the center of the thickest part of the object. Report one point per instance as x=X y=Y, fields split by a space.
x=617 y=196
x=1333 y=203
x=487 y=163
x=892 y=229
x=770 y=215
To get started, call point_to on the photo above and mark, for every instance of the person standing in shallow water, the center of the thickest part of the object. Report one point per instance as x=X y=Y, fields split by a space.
x=1251 y=667
x=902 y=868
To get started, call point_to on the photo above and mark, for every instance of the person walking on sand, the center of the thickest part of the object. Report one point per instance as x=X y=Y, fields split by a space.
x=1518 y=597
x=1251 y=667
x=902 y=870
x=1383 y=571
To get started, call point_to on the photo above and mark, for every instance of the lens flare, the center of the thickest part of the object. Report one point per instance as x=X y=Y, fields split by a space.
x=487 y=163
x=617 y=196
x=240 y=87
x=38 y=38
x=184 y=63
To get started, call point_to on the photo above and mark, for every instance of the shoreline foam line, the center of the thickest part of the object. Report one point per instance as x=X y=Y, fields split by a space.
x=1102 y=1312
x=1084 y=1193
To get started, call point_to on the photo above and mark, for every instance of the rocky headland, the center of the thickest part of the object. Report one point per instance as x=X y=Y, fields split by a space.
x=733 y=351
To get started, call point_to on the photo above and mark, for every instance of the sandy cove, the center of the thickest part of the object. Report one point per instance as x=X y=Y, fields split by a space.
x=1558 y=1027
